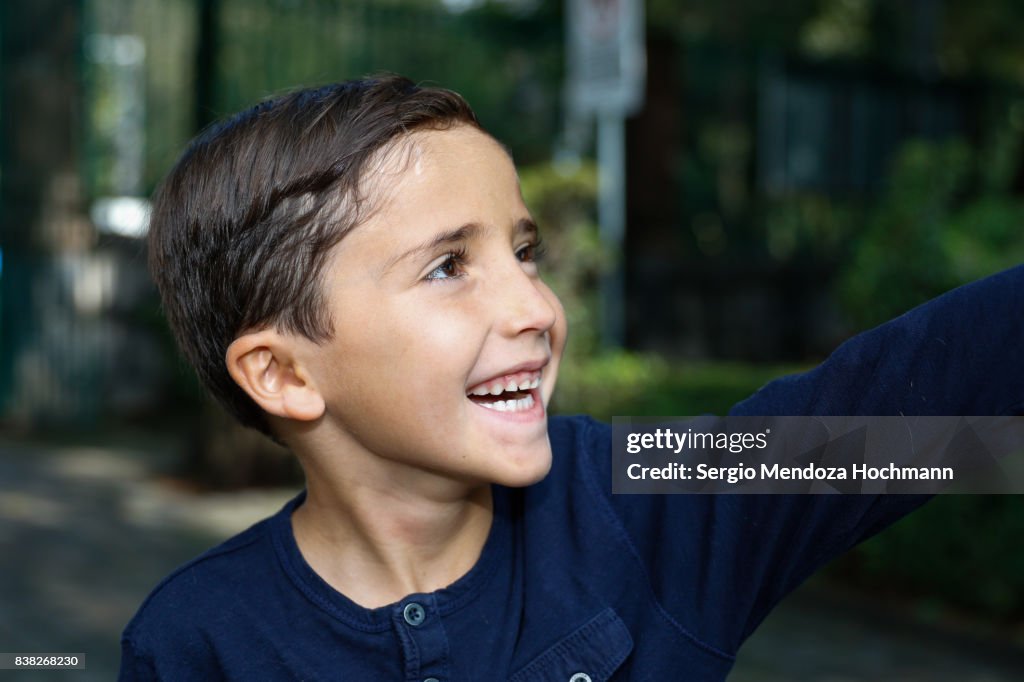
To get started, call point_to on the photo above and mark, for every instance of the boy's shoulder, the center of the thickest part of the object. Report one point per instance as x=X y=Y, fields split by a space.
x=209 y=587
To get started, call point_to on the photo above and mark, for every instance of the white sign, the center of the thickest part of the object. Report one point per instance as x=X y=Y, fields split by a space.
x=606 y=57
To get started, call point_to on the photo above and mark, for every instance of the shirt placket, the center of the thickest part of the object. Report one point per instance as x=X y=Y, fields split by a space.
x=418 y=625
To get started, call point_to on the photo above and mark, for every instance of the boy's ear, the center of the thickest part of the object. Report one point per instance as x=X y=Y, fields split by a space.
x=264 y=365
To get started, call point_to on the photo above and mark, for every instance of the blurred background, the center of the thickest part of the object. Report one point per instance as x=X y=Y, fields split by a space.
x=770 y=179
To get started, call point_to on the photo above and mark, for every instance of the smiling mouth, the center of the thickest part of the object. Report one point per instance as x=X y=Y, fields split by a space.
x=512 y=393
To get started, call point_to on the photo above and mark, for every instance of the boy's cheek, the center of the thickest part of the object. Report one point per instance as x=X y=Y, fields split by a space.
x=558 y=337
x=560 y=332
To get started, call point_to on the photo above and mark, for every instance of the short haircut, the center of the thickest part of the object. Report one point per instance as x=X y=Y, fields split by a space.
x=243 y=224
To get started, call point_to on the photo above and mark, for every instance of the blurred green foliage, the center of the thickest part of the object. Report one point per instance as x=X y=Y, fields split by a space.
x=956 y=554
x=504 y=58
x=617 y=384
x=809 y=226
x=595 y=380
x=948 y=216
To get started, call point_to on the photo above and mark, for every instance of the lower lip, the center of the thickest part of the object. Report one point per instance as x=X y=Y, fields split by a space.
x=531 y=414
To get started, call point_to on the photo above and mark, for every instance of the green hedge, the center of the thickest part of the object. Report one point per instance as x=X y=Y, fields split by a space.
x=622 y=383
x=959 y=554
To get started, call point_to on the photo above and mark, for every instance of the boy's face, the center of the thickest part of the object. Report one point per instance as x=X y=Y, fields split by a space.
x=436 y=300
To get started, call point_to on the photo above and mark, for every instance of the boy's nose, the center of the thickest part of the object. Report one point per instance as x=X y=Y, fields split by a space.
x=523 y=304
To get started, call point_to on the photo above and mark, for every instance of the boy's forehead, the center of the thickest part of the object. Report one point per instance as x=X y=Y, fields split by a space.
x=432 y=181
x=428 y=162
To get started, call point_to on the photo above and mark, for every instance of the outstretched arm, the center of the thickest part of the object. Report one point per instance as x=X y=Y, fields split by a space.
x=718 y=564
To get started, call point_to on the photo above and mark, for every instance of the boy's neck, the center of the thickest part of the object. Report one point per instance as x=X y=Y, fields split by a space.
x=377 y=545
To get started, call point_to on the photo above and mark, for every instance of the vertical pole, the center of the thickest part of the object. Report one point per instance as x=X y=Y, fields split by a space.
x=207 y=43
x=611 y=213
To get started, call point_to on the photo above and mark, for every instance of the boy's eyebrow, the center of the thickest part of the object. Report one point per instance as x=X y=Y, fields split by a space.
x=459 y=234
x=455 y=236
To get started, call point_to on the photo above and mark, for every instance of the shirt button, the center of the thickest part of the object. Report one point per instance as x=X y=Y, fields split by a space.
x=580 y=677
x=431 y=679
x=414 y=614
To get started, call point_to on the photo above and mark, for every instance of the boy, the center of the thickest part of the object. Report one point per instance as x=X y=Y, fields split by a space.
x=352 y=271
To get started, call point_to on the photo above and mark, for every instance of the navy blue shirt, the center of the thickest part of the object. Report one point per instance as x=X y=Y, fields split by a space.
x=573 y=579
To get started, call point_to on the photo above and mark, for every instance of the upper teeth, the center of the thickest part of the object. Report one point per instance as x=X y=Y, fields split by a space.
x=498 y=387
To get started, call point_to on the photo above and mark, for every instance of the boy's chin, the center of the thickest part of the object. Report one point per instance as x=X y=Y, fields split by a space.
x=527 y=473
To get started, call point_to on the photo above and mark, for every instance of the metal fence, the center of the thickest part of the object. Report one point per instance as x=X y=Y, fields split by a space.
x=126 y=84
x=100 y=96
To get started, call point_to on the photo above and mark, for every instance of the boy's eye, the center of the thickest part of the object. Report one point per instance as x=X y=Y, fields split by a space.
x=530 y=253
x=451 y=267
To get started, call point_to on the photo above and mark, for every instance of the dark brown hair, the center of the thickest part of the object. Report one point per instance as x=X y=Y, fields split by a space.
x=242 y=225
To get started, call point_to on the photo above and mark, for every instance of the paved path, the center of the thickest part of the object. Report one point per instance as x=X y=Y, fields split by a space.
x=85 y=533
x=815 y=637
